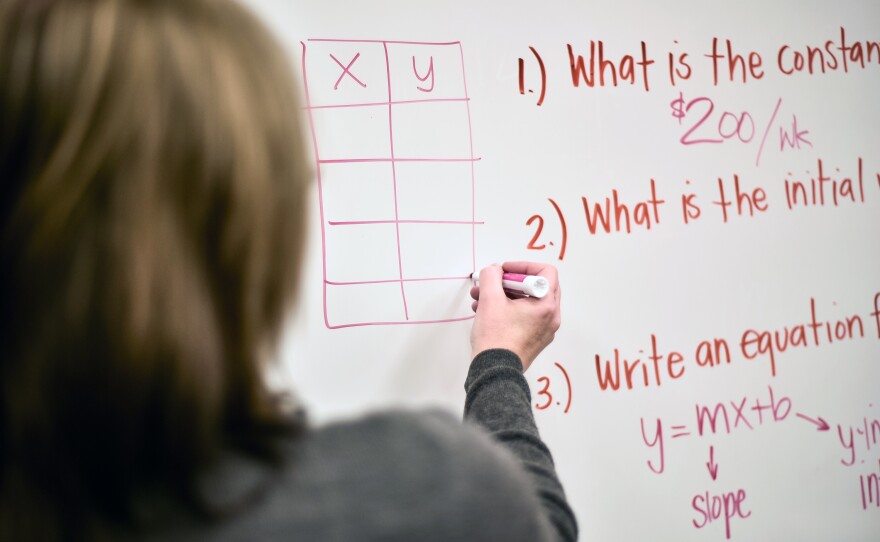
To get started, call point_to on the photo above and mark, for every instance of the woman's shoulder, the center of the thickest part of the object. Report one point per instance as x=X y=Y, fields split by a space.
x=416 y=475
x=405 y=450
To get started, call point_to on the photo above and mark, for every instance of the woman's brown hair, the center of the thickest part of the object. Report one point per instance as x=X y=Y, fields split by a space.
x=151 y=222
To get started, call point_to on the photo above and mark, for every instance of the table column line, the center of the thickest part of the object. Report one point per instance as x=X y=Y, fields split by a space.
x=467 y=104
x=394 y=181
x=320 y=184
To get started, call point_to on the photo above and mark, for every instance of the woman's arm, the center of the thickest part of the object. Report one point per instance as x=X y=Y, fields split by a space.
x=498 y=399
x=508 y=334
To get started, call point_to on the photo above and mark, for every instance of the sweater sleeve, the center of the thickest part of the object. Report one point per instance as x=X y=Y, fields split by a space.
x=499 y=400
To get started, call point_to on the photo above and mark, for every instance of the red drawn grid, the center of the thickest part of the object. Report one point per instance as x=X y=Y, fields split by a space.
x=348 y=66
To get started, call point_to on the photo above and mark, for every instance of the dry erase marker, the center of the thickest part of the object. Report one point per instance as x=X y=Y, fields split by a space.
x=529 y=285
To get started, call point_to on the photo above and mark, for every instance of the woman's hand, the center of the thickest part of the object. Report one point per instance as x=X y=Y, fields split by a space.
x=523 y=325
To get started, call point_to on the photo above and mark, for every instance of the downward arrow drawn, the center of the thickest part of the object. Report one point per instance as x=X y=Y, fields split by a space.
x=821 y=424
x=713 y=467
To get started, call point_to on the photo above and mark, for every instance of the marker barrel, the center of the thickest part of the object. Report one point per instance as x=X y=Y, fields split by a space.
x=530 y=285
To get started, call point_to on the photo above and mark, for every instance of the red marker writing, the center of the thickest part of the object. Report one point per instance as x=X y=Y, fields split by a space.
x=530 y=285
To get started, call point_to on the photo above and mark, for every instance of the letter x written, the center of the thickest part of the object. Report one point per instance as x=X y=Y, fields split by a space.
x=347 y=70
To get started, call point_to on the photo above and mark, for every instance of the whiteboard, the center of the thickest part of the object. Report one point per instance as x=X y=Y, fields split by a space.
x=716 y=373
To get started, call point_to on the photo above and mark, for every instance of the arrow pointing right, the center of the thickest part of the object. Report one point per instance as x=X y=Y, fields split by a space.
x=821 y=424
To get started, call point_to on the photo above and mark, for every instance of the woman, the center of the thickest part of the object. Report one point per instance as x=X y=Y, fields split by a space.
x=153 y=195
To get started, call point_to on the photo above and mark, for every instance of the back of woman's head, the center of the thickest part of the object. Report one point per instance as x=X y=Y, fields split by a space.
x=151 y=206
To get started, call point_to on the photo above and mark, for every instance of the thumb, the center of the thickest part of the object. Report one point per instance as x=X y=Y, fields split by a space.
x=491 y=289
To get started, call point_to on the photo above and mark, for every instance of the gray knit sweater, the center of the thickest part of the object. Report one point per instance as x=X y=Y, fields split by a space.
x=404 y=476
